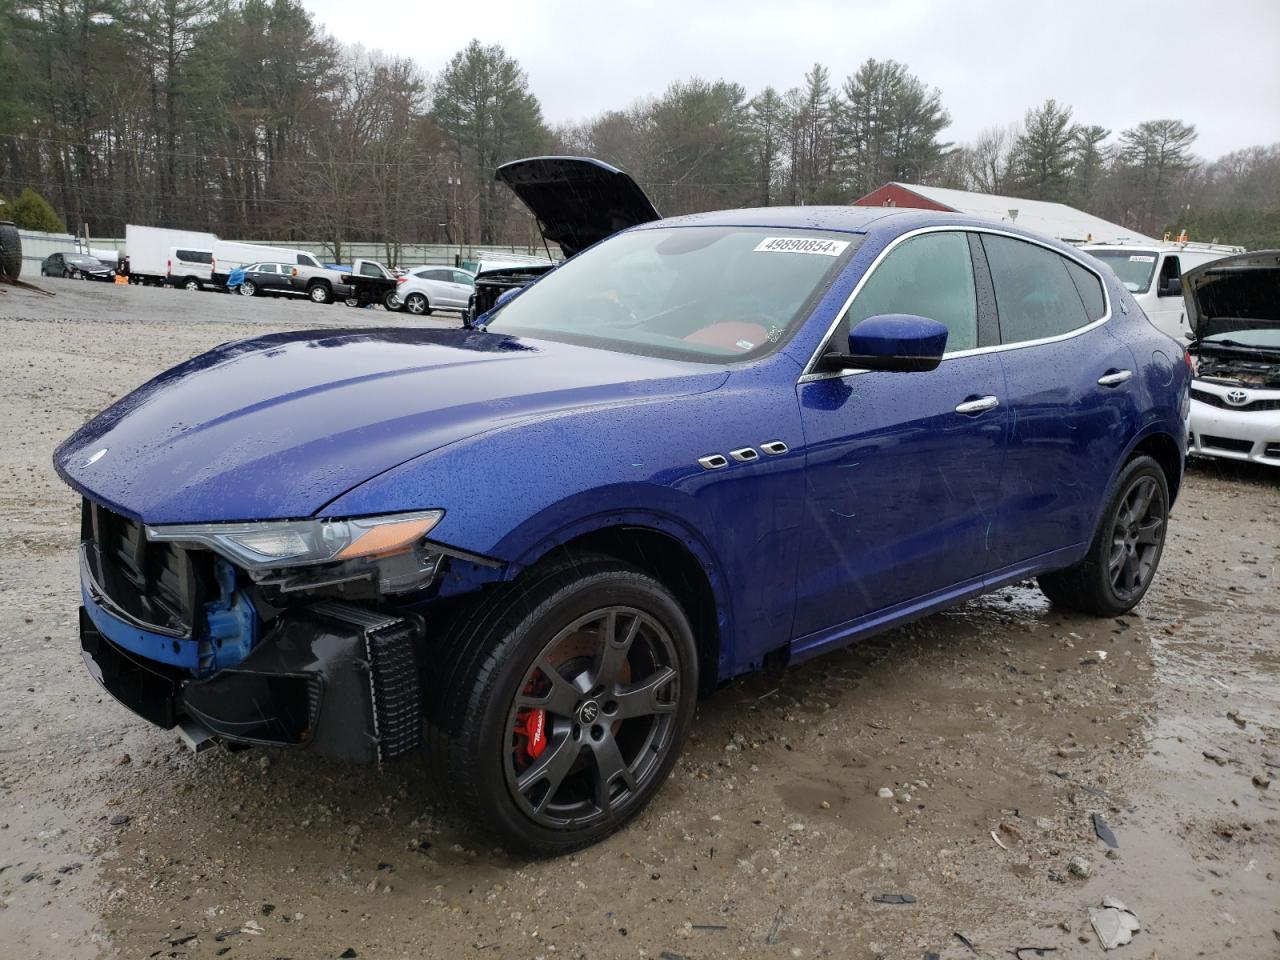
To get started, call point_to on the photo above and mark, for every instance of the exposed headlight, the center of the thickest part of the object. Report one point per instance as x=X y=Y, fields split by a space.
x=273 y=544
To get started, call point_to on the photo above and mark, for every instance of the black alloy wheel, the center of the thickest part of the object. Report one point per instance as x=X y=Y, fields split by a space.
x=1136 y=538
x=594 y=715
x=561 y=702
x=1125 y=552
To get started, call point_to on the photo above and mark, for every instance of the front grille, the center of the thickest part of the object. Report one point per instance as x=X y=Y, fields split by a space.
x=1255 y=406
x=158 y=584
x=1226 y=443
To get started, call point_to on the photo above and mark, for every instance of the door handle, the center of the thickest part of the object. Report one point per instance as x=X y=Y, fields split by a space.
x=1114 y=378
x=980 y=405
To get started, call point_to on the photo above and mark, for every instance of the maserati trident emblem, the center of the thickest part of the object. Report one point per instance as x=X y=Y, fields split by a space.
x=1236 y=397
x=95 y=457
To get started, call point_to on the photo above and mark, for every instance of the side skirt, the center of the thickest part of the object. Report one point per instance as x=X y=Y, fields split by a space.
x=870 y=624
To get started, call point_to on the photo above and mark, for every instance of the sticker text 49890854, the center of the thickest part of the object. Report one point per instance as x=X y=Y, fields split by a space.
x=818 y=245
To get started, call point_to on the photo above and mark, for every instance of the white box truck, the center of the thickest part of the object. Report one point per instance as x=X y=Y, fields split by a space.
x=228 y=254
x=148 y=250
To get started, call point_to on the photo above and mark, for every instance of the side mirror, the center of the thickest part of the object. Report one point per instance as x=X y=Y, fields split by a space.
x=892 y=341
x=1171 y=288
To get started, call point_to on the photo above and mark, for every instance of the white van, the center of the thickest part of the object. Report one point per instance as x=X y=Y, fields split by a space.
x=227 y=255
x=189 y=268
x=1152 y=272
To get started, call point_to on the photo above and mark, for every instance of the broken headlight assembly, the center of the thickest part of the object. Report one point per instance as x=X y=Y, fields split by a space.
x=387 y=553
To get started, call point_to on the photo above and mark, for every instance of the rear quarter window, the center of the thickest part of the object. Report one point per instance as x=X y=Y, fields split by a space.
x=1036 y=296
x=1090 y=289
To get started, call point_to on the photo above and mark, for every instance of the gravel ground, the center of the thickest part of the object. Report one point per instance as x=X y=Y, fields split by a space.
x=959 y=760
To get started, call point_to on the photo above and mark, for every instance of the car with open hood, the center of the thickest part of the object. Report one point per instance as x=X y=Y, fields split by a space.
x=698 y=446
x=577 y=202
x=1233 y=305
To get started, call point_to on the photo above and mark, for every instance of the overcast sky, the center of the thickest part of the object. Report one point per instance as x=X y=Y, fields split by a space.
x=1213 y=63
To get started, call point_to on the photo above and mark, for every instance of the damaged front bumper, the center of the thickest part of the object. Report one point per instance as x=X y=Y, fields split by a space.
x=332 y=678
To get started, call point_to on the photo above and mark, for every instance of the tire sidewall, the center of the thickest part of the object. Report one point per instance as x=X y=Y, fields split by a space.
x=416 y=298
x=522 y=644
x=1099 y=553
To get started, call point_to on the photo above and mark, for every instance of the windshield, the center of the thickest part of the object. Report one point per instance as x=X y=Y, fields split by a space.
x=697 y=293
x=1134 y=267
x=1266 y=338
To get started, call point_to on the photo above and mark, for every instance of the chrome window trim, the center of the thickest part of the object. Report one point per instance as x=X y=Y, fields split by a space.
x=810 y=374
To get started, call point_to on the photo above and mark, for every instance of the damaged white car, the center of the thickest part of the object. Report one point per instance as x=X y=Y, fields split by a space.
x=1233 y=306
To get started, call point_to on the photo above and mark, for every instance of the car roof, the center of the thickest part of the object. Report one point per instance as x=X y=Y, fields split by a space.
x=884 y=221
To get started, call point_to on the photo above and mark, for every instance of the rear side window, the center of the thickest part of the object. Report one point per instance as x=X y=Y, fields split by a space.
x=928 y=276
x=1090 y=289
x=195 y=256
x=1035 y=295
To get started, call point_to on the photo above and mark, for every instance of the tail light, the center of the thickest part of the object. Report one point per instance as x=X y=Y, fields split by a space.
x=402 y=279
x=168 y=266
x=1190 y=361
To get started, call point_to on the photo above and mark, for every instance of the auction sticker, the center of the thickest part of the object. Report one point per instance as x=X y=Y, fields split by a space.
x=825 y=248
x=1141 y=259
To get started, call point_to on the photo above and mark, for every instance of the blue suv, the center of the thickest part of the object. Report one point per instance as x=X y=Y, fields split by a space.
x=704 y=443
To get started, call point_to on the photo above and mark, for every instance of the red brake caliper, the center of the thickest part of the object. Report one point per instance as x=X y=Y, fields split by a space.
x=531 y=728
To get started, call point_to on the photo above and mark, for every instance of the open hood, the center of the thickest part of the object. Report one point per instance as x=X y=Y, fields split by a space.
x=1234 y=294
x=577 y=201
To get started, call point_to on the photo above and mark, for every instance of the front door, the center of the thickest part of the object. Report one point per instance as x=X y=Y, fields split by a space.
x=903 y=469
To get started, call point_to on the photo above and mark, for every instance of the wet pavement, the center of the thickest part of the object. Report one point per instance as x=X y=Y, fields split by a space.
x=998 y=730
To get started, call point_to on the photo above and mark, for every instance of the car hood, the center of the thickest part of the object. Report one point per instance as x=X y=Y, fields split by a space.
x=577 y=201
x=1234 y=294
x=279 y=426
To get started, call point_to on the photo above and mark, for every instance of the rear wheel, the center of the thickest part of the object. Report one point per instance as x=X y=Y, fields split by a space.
x=191 y=283
x=319 y=293
x=567 y=703
x=1122 y=560
x=417 y=304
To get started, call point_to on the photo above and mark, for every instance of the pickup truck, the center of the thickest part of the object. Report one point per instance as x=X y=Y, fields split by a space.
x=366 y=282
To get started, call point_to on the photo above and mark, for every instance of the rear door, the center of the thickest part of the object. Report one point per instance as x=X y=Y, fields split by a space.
x=1071 y=390
x=461 y=284
x=903 y=470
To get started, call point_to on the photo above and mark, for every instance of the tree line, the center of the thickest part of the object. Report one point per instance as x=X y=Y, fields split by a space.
x=244 y=118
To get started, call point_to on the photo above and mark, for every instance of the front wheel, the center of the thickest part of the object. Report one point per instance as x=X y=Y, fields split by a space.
x=1125 y=552
x=566 y=705
x=248 y=289
x=391 y=301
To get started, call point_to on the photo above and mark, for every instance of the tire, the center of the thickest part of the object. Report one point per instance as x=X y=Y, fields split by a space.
x=191 y=283
x=319 y=293
x=480 y=741
x=248 y=289
x=416 y=304
x=11 y=252
x=391 y=301
x=1125 y=552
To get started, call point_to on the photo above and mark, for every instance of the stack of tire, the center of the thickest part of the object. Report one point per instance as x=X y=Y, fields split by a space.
x=10 y=252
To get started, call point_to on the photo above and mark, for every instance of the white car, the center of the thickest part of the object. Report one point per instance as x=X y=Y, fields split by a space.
x=1153 y=274
x=424 y=289
x=1234 y=310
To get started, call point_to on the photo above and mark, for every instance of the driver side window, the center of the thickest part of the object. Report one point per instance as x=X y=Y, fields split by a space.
x=928 y=276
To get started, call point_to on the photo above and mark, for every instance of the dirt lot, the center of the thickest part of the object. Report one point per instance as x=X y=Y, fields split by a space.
x=1000 y=727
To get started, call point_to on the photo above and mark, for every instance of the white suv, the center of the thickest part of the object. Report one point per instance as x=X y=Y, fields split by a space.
x=424 y=289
